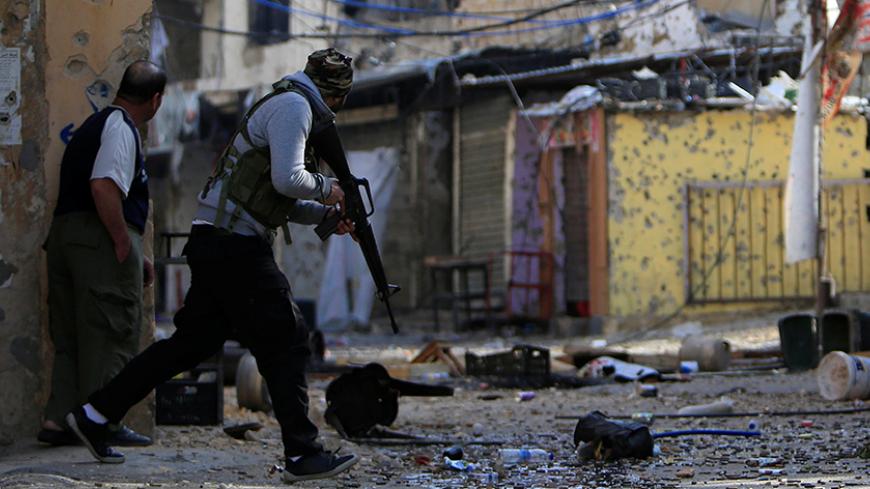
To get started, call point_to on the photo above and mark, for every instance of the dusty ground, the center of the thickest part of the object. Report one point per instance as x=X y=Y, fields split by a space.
x=822 y=455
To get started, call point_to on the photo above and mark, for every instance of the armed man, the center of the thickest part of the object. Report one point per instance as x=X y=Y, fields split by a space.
x=267 y=175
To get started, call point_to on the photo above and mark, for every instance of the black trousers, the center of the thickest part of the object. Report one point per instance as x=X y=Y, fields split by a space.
x=236 y=292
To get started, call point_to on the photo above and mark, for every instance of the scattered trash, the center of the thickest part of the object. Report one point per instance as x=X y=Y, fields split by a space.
x=512 y=456
x=459 y=465
x=841 y=376
x=490 y=479
x=436 y=352
x=454 y=453
x=865 y=451
x=477 y=429
x=807 y=423
x=722 y=406
x=763 y=462
x=711 y=354
x=367 y=397
x=422 y=459
x=604 y=439
x=239 y=431
x=689 y=367
x=686 y=473
x=522 y=366
x=643 y=418
x=647 y=390
x=604 y=367
x=275 y=468
x=766 y=471
x=754 y=425
x=525 y=396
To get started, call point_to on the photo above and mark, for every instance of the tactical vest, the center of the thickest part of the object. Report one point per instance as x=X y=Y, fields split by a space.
x=247 y=181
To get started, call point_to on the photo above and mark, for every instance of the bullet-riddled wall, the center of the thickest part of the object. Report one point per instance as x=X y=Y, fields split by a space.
x=652 y=157
x=62 y=58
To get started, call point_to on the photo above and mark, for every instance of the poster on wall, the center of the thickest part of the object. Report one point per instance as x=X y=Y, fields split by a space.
x=10 y=91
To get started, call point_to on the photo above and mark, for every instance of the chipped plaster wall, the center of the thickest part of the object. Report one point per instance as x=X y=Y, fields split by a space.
x=22 y=217
x=67 y=46
x=651 y=156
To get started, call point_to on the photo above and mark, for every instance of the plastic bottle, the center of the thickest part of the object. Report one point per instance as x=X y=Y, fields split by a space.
x=524 y=455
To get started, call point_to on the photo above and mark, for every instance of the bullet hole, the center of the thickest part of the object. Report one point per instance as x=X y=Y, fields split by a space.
x=76 y=65
x=81 y=38
x=11 y=98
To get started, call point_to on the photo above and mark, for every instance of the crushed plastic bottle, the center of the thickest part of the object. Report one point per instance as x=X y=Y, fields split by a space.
x=524 y=455
x=643 y=418
x=459 y=465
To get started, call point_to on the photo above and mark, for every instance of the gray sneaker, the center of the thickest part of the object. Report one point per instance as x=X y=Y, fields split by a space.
x=318 y=466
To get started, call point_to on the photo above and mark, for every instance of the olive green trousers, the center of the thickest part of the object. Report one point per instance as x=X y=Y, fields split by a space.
x=95 y=308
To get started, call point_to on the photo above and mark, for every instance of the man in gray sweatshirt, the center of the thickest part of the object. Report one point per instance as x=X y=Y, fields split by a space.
x=267 y=175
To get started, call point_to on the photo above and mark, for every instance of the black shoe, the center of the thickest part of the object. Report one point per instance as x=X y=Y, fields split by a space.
x=58 y=438
x=94 y=436
x=318 y=466
x=123 y=436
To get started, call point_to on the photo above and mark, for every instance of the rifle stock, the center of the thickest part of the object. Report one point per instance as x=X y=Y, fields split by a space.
x=327 y=145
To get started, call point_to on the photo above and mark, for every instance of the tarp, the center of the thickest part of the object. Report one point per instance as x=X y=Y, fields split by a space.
x=347 y=292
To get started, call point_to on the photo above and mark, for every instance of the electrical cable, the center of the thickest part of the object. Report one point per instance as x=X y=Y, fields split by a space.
x=388 y=32
x=478 y=31
x=432 y=12
x=756 y=414
x=479 y=14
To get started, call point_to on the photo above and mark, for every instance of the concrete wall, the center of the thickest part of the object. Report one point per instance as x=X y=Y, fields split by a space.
x=67 y=47
x=23 y=210
x=652 y=156
x=236 y=62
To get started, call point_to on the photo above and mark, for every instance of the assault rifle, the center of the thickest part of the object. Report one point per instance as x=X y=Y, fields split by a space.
x=327 y=145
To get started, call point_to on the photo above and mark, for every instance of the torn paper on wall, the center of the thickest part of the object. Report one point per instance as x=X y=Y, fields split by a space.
x=10 y=91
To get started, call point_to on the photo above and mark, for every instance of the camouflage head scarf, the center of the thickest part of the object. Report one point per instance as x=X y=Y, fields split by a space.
x=331 y=71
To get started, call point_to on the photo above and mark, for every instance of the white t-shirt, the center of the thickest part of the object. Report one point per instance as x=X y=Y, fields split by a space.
x=116 y=158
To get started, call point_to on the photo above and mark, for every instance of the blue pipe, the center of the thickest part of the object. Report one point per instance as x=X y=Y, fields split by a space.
x=666 y=434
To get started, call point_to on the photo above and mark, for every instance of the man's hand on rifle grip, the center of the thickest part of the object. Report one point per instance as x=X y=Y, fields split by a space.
x=336 y=195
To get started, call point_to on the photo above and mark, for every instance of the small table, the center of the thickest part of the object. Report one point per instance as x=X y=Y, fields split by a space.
x=448 y=266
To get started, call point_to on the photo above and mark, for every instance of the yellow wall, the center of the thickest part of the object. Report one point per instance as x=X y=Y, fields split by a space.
x=653 y=155
x=87 y=42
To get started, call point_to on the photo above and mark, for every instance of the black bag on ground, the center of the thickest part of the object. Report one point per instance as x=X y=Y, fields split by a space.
x=367 y=396
x=610 y=440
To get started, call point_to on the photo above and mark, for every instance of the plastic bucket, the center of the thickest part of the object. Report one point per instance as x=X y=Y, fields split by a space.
x=841 y=376
x=712 y=354
x=797 y=338
x=836 y=332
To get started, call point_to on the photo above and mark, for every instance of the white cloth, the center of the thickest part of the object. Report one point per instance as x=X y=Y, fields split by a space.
x=347 y=293
x=116 y=159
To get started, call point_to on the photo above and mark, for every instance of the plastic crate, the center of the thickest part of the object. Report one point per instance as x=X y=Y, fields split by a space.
x=190 y=402
x=523 y=366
